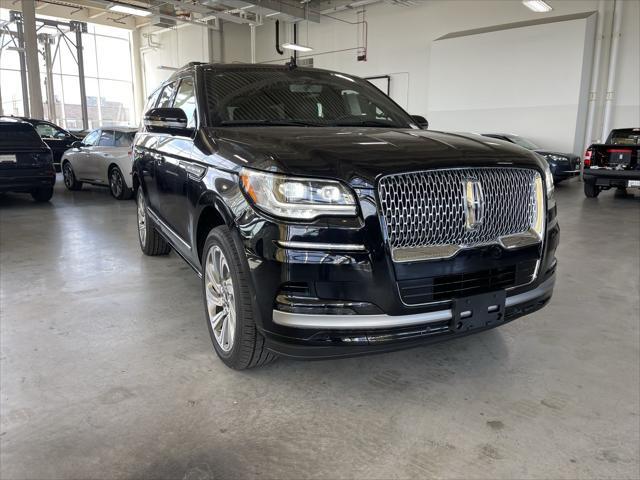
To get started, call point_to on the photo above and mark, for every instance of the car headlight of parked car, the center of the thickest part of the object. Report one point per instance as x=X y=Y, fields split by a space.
x=548 y=180
x=297 y=198
x=556 y=158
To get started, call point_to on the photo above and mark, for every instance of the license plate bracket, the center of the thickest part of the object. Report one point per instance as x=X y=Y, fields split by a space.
x=478 y=311
x=633 y=183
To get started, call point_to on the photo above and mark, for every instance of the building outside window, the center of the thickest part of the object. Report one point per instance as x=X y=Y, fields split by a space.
x=108 y=77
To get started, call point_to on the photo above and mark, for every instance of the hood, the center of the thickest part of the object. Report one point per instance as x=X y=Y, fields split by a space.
x=359 y=155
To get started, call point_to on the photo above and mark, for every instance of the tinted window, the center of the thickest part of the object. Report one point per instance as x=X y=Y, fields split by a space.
x=166 y=96
x=47 y=130
x=91 y=138
x=626 y=137
x=18 y=135
x=186 y=100
x=106 y=139
x=124 y=139
x=237 y=96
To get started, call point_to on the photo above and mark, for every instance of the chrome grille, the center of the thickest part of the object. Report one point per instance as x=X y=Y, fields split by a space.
x=425 y=213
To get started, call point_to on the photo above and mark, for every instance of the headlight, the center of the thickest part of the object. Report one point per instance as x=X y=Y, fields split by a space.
x=556 y=158
x=297 y=198
x=548 y=180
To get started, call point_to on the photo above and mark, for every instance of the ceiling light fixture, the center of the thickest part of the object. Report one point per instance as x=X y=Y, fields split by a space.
x=538 y=6
x=295 y=46
x=129 y=10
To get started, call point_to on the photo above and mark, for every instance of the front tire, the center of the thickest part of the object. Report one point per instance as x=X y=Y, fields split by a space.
x=591 y=190
x=228 y=303
x=42 y=194
x=151 y=242
x=69 y=178
x=117 y=185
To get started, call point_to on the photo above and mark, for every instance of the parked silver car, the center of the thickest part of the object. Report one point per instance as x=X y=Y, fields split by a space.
x=103 y=157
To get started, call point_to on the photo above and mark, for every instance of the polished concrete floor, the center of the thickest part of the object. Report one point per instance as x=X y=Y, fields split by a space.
x=107 y=369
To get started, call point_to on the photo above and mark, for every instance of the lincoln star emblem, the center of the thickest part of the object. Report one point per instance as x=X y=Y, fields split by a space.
x=473 y=203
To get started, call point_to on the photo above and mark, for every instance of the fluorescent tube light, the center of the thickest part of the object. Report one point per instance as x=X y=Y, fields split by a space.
x=129 y=10
x=538 y=6
x=295 y=46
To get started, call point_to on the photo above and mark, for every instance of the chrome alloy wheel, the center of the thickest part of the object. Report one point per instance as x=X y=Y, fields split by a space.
x=142 y=217
x=116 y=182
x=221 y=300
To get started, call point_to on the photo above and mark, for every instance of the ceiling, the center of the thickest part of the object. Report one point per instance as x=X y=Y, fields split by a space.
x=169 y=13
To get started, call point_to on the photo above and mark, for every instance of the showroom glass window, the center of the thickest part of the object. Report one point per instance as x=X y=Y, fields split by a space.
x=317 y=98
x=108 y=78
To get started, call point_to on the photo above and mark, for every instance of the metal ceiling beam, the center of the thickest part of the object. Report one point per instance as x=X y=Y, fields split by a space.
x=286 y=8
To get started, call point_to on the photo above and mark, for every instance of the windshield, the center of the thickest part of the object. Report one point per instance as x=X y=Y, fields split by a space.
x=523 y=143
x=297 y=97
x=626 y=137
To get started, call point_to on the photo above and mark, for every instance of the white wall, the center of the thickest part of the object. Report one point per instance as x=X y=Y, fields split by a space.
x=176 y=47
x=526 y=80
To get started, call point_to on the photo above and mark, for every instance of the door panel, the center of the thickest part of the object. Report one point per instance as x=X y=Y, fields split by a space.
x=80 y=162
x=172 y=183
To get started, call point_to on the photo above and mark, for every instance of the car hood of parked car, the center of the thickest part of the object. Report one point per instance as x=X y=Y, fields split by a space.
x=359 y=155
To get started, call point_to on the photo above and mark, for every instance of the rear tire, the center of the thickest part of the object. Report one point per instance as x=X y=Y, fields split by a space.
x=229 y=308
x=151 y=242
x=117 y=185
x=69 y=178
x=42 y=194
x=591 y=190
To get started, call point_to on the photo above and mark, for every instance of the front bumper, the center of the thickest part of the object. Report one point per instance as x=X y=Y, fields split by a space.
x=564 y=171
x=344 y=301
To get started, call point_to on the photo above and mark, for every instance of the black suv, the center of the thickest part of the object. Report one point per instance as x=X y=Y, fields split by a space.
x=26 y=162
x=325 y=223
x=57 y=139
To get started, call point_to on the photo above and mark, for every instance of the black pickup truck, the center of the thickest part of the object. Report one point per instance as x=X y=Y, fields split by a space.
x=613 y=163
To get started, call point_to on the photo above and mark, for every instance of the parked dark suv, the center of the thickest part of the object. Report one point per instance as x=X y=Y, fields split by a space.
x=325 y=223
x=57 y=139
x=26 y=162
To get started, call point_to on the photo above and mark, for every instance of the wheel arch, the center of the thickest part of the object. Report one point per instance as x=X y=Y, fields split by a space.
x=212 y=213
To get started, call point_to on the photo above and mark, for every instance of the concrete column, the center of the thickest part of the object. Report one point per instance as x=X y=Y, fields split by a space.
x=139 y=93
x=31 y=53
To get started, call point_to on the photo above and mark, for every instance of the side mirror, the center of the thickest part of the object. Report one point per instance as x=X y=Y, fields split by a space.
x=420 y=121
x=167 y=120
x=76 y=144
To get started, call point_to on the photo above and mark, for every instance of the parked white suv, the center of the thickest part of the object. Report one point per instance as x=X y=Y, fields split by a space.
x=103 y=157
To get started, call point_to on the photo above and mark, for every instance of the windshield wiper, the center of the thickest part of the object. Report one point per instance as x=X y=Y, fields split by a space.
x=279 y=123
x=364 y=123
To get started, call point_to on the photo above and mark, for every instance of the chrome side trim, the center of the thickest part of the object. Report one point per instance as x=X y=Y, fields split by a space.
x=166 y=227
x=344 y=247
x=348 y=322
